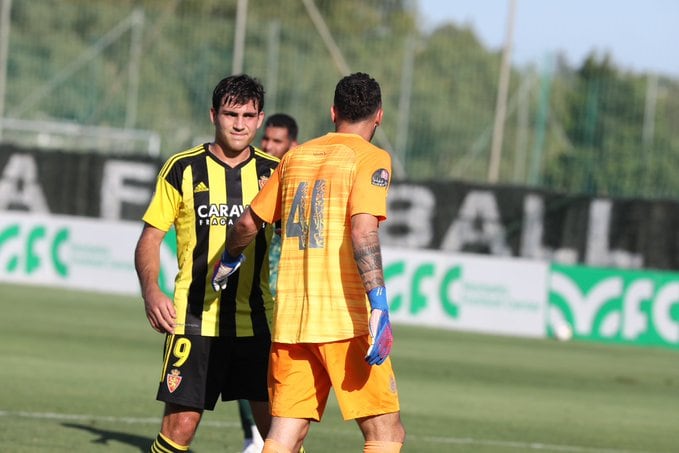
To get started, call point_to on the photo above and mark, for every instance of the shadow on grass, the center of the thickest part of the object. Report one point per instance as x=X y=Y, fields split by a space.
x=104 y=436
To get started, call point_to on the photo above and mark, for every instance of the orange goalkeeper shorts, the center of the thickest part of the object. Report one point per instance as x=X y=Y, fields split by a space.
x=300 y=377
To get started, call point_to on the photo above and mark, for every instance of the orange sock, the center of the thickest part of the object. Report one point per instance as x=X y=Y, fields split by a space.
x=381 y=446
x=271 y=446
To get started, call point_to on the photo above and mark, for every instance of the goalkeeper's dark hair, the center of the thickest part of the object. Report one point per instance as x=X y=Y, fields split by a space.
x=357 y=97
x=240 y=90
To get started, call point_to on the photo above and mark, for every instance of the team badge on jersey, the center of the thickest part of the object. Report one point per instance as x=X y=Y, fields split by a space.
x=380 y=178
x=173 y=380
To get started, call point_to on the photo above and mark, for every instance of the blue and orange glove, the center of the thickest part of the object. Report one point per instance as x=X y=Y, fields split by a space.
x=225 y=267
x=380 y=327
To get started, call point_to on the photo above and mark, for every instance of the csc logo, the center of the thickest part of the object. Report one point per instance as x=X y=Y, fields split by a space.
x=426 y=275
x=30 y=250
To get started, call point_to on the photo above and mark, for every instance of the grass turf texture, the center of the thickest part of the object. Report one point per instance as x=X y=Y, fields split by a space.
x=79 y=373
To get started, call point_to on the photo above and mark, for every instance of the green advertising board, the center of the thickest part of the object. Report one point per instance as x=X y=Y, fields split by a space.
x=615 y=306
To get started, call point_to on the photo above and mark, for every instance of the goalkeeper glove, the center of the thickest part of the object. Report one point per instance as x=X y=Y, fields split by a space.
x=224 y=268
x=380 y=327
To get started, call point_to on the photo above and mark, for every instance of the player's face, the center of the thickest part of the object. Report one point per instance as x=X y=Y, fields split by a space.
x=236 y=125
x=276 y=141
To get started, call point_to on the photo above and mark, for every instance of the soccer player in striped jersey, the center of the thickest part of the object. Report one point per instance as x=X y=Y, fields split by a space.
x=217 y=342
x=331 y=326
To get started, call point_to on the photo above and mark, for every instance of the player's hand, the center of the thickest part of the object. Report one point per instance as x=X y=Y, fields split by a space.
x=224 y=268
x=380 y=327
x=160 y=311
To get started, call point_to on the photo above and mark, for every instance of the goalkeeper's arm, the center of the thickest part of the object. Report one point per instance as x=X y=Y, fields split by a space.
x=242 y=232
x=239 y=236
x=368 y=256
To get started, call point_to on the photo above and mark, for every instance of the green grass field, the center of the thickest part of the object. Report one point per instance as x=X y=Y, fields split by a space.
x=78 y=372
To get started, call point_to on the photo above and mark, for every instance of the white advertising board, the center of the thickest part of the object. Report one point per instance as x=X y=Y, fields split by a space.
x=74 y=252
x=467 y=292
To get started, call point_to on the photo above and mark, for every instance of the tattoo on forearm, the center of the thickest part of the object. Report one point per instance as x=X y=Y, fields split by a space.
x=368 y=258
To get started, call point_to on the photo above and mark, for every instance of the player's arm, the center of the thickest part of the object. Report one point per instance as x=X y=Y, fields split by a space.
x=245 y=229
x=367 y=250
x=239 y=236
x=243 y=232
x=159 y=308
x=368 y=256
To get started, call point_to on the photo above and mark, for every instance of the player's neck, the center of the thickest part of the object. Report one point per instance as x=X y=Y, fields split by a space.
x=365 y=129
x=232 y=158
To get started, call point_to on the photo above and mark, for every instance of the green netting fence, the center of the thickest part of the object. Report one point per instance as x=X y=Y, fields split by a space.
x=137 y=77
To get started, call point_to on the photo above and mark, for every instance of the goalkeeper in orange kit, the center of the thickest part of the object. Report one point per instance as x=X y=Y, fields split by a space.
x=331 y=319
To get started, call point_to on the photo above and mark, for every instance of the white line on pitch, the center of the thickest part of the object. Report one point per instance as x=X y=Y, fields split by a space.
x=411 y=438
x=523 y=445
x=104 y=418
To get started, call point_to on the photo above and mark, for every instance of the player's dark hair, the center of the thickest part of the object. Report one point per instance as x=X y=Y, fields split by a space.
x=240 y=90
x=357 y=97
x=283 y=120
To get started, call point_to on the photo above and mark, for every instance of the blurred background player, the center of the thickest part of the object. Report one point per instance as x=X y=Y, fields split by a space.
x=331 y=324
x=252 y=440
x=280 y=134
x=217 y=341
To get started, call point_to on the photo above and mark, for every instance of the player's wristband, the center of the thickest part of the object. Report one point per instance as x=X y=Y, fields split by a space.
x=229 y=260
x=378 y=299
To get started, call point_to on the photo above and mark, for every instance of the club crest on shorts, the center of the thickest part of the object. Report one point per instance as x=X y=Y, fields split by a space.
x=173 y=380
x=380 y=178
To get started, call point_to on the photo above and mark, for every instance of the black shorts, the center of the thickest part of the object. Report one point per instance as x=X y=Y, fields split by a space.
x=196 y=370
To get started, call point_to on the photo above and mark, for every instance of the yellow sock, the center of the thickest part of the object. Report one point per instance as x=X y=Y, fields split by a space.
x=381 y=446
x=163 y=444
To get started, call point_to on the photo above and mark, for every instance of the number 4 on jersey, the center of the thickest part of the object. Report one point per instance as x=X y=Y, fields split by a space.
x=309 y=231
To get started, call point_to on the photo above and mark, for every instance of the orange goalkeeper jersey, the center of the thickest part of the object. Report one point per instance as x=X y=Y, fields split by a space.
x=315 y=191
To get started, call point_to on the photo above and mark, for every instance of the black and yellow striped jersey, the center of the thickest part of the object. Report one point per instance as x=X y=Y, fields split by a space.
x=202 y=197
